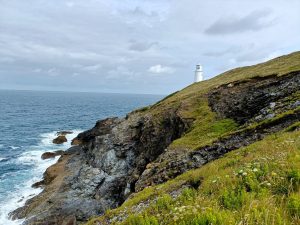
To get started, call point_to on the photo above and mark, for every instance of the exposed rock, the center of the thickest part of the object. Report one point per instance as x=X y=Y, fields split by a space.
x=63 y=133
x=246 y=99
x=48 y=155
x=234 y=98
x=101 y=173
x=60 y=140
x=38 y=184
x=76 y=141
x=181 y=163
x=120 y=156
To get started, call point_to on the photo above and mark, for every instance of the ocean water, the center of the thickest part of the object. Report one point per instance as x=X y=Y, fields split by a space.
x=29 y=121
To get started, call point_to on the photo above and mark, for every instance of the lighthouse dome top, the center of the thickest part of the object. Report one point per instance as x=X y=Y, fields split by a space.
x=198 y=67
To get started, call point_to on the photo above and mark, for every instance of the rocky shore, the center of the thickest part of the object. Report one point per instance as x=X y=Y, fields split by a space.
x=121 y=156
x=102 y=171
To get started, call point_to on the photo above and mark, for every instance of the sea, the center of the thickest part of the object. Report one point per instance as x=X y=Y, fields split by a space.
x=29 y=121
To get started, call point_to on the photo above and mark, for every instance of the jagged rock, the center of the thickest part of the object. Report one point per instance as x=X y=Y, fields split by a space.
x=38 y=184
x=60 y=140
x=48 y=155
x=75 y=141
x=101 y=172
x=245 y=99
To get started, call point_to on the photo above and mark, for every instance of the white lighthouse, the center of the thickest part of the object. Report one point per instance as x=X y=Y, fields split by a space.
x=198 y=73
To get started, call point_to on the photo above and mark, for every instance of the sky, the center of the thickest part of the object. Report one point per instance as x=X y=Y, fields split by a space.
x=137 y=46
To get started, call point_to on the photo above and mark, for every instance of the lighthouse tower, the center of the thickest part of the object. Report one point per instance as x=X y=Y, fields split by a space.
x=198 y=73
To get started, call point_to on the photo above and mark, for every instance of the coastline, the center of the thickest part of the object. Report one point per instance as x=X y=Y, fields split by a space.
x=33 y=156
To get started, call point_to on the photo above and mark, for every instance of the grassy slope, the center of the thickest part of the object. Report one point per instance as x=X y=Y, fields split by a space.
x=256 y=185
x=192 y=102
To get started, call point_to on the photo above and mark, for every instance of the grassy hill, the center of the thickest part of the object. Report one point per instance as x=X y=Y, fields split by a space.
x=258 y=183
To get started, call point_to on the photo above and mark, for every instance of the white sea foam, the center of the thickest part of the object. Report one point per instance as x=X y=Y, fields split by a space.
x=32 y=157
x=2 y=159
x=14 y=147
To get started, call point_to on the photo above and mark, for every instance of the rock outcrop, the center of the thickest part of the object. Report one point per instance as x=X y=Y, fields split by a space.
x=260 y=98
x=60 y=140
x=49 y=155
x=101 y=172
x=120 y=156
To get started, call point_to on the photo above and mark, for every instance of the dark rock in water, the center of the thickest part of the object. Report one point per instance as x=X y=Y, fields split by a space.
x=48 y=155
x=21 y=199
x=63 y=133
x=38 y=184
x=60 y=140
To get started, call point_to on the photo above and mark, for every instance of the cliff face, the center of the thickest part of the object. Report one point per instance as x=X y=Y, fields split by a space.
x=101 y=172
x=247 y=102
x=120 y=157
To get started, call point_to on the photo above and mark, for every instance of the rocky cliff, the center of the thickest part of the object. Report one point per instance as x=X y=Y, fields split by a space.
x=121 y=161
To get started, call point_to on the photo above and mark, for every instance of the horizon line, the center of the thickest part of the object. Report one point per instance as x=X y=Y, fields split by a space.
x=67 y=91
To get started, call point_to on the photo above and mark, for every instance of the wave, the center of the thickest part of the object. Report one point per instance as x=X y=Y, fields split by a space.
x=2 y=159
x=14 y=147
x=32 y=158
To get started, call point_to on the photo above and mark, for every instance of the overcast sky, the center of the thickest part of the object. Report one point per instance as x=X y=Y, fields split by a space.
x=137 y=46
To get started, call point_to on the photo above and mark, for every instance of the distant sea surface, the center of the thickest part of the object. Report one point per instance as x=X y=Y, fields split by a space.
x=29 y=121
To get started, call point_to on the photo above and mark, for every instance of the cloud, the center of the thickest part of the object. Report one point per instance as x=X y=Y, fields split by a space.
x=37 y=70
x=218 y=53
x=98 y=45
x=119 y=72
x=92 y=68
x=254 y=21
x=70 y=4
x=141 y=46
x=158 y=69
x=256 y=56
x=53 y=72
x=6 y=60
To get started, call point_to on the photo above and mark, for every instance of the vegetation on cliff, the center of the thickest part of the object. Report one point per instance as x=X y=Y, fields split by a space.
x=258 y=182
x=222 y=151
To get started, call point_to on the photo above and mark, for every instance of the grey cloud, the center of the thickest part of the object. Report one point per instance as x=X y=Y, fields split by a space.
x=137 y=11
x=218 y=53
x=254 y=21
x=253 y=56
x=141 y=46
x=98 y=45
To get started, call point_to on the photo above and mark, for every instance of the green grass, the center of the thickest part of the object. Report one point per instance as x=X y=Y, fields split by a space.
x=258 y=184
x=205 y=129
x=293 y=205
x=192 y=103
